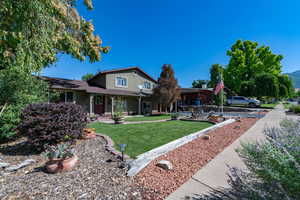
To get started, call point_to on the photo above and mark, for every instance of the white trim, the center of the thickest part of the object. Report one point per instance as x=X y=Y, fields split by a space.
x=121 y=86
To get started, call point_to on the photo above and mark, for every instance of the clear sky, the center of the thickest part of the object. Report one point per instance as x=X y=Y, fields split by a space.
x=189 y=34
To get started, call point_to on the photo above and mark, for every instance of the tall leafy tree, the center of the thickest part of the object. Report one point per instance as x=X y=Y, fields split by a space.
x=32 y=33
x=87 y=76
x=247 y=60
x=167 y=90
x=266 y=85
x=199 y=83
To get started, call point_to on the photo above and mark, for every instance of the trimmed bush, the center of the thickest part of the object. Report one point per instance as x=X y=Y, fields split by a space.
x=52 y=123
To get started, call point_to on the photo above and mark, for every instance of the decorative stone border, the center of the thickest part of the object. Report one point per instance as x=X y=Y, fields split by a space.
x=144 y=159
x=110 y=146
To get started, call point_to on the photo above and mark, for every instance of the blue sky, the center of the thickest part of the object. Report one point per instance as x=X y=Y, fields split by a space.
x=189 y=34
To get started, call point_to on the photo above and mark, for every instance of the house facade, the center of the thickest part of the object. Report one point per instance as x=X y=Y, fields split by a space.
x=127 y=90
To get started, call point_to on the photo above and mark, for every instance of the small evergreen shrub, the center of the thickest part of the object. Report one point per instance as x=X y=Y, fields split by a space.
x=295 y=109
x=45 y=123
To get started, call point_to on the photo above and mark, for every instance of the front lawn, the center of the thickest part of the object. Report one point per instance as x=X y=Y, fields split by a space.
x=147 y=118
x=141 y=138
x=269 y=105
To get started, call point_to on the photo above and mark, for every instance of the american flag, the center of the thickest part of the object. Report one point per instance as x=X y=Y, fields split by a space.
x=219 y=86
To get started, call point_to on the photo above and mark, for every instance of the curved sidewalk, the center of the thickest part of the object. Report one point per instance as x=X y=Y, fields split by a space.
x=213 y=175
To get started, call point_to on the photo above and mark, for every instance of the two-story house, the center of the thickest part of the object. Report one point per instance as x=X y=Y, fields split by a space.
x=128 y=90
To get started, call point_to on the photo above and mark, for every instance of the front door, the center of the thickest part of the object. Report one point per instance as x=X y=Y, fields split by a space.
x=99 y=105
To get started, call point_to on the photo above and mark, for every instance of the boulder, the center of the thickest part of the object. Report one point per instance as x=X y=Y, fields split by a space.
x=165 y=164
x=206 y=137
x=4 y=164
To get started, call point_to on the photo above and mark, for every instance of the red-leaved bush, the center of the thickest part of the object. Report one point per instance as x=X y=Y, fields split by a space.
x=45 y=123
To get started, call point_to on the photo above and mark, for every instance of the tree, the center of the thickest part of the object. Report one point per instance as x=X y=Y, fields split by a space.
x=286 y=87
x=199 y=83
x=216 y=73
x=87 y=76
x=32 y=33
x=247 y=60
x=266 y=85
x=167 y=90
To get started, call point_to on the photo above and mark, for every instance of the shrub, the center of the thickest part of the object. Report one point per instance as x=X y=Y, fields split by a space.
x=295 y=108
x=9 y=120
x=274 y=168
x=52 y=123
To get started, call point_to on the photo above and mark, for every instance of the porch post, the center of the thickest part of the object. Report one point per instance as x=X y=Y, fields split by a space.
x=65 y=97
x=74 y=97
x=112 y=105
x=91 y=104
x=176 y=102
x=140 y=99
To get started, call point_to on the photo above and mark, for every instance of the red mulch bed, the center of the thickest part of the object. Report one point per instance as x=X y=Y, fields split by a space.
x=187 y=160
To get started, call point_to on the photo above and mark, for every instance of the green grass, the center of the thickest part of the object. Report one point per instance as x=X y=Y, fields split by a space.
x=147 y=118
x=287 y=105
x=141 y=138
x=269 y=105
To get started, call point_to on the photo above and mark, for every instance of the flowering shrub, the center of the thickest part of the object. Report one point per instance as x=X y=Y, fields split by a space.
x=52 y=123
x=274 y=168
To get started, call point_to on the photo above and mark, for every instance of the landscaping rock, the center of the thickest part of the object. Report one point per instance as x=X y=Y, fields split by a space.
x=206 y=137
x=3 y=164
x=19 y=166
x=166 y=165
x=96 y=176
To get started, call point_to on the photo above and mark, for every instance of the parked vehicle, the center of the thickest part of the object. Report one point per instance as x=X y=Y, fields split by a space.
x=244 y=101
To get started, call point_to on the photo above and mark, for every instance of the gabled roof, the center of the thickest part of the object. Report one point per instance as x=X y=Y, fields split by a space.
x=121 y=70
x=77 y=85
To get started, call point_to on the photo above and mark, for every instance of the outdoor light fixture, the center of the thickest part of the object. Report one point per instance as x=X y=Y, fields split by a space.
x=122 y=148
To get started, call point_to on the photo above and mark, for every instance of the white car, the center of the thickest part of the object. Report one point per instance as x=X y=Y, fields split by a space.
x=244 y=101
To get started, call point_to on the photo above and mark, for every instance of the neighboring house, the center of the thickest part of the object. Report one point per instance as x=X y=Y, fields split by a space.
x=128 y=90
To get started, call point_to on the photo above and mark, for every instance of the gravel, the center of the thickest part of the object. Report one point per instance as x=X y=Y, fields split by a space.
x=93 y=177
x=187 y=160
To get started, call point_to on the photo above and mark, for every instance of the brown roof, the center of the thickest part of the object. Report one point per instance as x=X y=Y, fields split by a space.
x=194 y=90
x=67 y=84
x=124 y=69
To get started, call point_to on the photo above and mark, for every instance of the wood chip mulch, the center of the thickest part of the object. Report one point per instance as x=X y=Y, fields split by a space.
x=187 y=160
x=92 y=178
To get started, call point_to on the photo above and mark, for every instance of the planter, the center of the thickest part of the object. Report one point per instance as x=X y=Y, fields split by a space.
x=61 y=165
x=89 y=133
x=119 y=120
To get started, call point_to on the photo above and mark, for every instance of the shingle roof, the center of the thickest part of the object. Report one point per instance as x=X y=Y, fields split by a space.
x=67 y=84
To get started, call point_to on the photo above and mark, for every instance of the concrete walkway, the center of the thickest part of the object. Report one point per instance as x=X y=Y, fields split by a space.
x=213 y=175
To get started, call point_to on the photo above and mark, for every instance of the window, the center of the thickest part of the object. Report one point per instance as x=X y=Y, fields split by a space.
x=121 y=82
x=147 y=85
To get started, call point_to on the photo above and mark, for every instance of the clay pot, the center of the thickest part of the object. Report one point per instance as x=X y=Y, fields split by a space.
x=89 y=136
x=61 y=165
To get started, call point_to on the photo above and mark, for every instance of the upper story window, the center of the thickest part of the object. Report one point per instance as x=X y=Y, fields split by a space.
x=147 y=85
x=122 y=82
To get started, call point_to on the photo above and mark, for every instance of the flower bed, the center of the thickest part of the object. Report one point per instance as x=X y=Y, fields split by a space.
x=187 y=160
